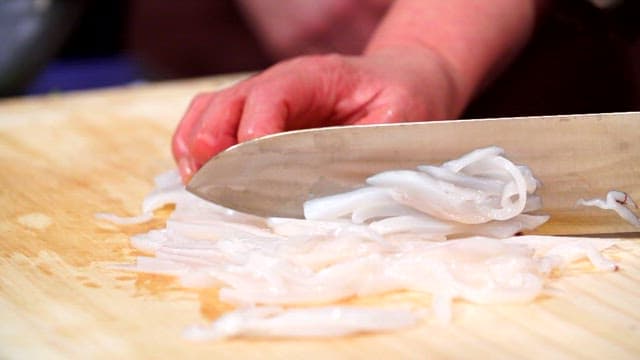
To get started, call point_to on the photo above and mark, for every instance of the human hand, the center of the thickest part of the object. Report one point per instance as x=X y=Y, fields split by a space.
x=290 y=28
x=316 y=91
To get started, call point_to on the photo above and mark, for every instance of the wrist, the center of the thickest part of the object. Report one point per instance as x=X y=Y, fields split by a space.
x=430 y=74
x=472 y=40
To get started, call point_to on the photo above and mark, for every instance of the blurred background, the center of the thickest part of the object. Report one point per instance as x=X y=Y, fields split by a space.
x=582 y=58
x=59 y=45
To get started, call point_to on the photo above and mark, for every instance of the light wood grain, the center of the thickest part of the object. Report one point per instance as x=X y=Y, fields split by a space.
x=65 y=157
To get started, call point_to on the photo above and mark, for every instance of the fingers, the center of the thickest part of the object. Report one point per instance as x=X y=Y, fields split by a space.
x=302 y=93
x=208 y=127
x=298 y=94
x=217 y=127
x=182 y=136
x=263 y=114
x=213 y=121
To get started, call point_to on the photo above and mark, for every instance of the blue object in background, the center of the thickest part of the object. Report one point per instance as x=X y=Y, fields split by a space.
x=85 y=73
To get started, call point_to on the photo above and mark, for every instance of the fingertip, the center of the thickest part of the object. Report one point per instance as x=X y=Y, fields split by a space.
x=190 y=119
x=186 y=168
x=216 y=129
x=179 y=146
x=208 y=144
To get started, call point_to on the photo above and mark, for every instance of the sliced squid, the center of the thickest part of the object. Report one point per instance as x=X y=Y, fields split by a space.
x=447 y=231
x=618 y=201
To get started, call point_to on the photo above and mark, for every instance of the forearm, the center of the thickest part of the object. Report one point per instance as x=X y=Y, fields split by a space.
x=475 y=39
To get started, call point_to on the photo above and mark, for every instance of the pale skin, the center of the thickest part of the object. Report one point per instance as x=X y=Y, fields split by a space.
x=425 y=61
x=288 y=28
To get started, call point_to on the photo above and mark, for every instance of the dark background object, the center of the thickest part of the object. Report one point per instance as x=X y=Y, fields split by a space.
x=117 y=42
x=100 y=31
x=581 y=59
x=192 y=38
x=31 y=32
x=94 y=54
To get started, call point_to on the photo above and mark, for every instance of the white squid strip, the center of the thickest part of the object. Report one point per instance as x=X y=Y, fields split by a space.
x=532 y=183
x=423 y=225
x=313 y=322
x=534 y=202
x=299 y=227
x=149 y=242
x=368 y=212
x=417 y=224
x=434 y=231
x=617 y=201
x=511 y=210
x=472 y=157
x=167 y=180
x=161 y=198
x=191 y=209
x=505 y=229
x=125 y=220
x=488 y=185
x=562 y=250
x=337 y=206
x=422 y=192
x=196 y=279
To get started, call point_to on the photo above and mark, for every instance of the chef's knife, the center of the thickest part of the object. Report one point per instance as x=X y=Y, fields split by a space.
x=575 y=156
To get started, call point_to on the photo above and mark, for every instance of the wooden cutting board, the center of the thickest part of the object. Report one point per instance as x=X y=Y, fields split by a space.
x=65 y=157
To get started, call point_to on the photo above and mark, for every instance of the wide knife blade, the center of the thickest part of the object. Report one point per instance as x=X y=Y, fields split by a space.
x=575 y=156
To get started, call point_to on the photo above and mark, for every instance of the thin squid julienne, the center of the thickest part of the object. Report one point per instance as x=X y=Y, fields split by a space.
x=445 y=230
